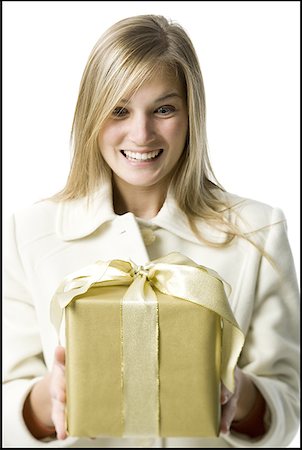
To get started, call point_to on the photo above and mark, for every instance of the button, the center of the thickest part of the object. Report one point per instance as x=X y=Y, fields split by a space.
x=148 y=235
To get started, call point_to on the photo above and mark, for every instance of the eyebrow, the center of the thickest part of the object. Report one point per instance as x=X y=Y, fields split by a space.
x=170 y=94
x=159 y=99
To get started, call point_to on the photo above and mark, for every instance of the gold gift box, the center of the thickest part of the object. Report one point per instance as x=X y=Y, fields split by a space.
x=189 y=366
x=190 y=359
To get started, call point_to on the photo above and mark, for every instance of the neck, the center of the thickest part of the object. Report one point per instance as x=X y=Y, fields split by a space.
x=143 y=201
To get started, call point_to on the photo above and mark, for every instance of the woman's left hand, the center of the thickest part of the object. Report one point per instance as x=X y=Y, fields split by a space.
x=236 y=405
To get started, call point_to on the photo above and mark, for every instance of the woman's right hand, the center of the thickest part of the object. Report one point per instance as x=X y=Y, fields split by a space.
x=44 y=408
x=58 y=392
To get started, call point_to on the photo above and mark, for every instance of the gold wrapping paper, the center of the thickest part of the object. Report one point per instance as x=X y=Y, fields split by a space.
x=146 y=348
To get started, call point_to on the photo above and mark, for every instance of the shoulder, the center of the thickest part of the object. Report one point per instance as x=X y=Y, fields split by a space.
x=251 y=214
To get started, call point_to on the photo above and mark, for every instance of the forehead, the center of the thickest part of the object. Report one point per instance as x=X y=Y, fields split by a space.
x=158 y=85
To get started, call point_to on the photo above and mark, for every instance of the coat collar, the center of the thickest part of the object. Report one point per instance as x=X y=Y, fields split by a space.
x=79 y=218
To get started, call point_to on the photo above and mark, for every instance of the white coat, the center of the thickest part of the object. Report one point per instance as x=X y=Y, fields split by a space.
x=49 y=240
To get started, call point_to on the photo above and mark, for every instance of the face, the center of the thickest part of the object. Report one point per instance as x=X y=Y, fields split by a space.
x=145 y=136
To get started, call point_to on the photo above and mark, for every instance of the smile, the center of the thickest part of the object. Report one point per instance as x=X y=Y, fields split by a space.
x=136 y=156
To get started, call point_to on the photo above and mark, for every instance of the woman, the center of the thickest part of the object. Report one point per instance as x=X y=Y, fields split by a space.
x=141 y=185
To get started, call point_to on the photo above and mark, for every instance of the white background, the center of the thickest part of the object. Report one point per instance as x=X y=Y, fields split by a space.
x=249 y=55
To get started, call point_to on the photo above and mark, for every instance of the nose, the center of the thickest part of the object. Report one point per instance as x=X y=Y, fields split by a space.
x=141 y=130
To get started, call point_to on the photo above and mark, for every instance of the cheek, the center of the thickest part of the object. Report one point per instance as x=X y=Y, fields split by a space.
x=109 y=136
x=177 y=131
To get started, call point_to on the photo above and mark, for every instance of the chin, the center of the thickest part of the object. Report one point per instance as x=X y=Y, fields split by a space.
x=142 y=183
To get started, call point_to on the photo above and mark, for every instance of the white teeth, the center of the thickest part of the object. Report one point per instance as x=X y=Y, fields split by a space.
x=141 y=156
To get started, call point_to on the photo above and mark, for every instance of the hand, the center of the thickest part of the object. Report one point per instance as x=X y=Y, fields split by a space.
x=44 y=407
x=58 y=392
x=236 y=405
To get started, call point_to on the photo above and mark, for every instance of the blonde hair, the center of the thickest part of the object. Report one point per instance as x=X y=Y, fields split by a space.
x=127 y=54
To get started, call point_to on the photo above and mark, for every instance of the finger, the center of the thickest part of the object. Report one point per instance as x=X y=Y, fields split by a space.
x=227 y=414
x=58 y=384
x=60 y=355
x=225 y=394
x=58 y=418
x=58 y=394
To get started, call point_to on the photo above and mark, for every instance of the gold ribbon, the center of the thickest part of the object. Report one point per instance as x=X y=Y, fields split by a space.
x=174 y=275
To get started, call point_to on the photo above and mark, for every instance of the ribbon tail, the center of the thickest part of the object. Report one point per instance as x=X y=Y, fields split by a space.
x=56 y=315
x=232 y=342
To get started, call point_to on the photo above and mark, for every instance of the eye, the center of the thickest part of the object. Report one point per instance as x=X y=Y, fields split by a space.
x=119 y=112
x=165 y=110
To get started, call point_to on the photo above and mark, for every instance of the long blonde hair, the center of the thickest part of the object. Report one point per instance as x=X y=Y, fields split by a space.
x=130 y=52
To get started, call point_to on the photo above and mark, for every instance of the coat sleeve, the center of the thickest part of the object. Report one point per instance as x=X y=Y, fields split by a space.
x=271 y=351
x=23 y=362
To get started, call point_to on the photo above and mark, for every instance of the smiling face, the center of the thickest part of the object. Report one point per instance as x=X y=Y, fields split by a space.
x=145 y=136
